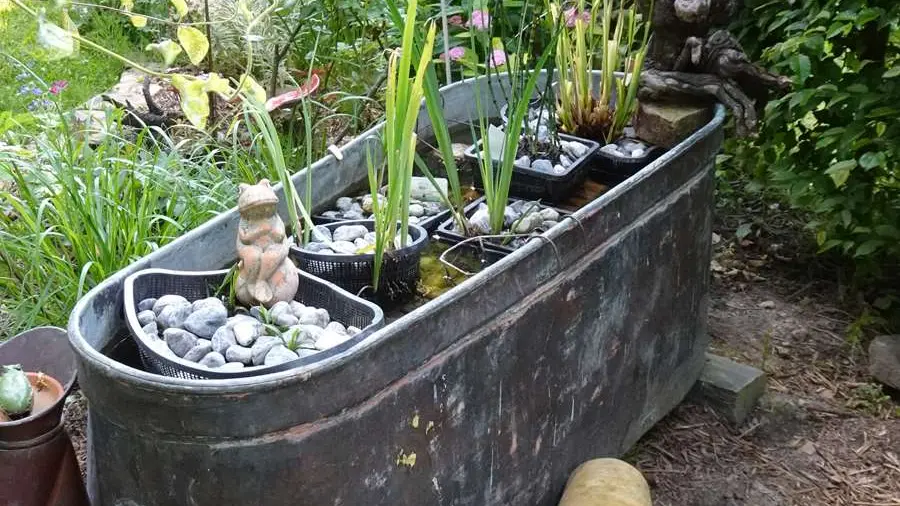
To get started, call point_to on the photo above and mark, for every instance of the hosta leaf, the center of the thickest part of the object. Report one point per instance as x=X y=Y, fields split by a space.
x=58 y=42
x=138 y=21
x=167 y=48
x=194 y=43
x=840 y=171
x=250 y=87
x=181 y=8
x=194 y=101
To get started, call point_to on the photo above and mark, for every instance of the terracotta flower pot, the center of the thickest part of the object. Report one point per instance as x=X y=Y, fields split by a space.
x=37 y=462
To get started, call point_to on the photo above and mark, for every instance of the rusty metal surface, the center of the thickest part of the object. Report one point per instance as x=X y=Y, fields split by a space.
x=491 y=394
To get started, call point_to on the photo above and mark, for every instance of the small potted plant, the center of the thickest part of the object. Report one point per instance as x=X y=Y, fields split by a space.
x=602 y=114
x=547 y=165
x=379 y=257
x=37 y=371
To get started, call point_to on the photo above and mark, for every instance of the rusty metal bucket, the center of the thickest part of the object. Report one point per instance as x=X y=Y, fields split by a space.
x=37 y=461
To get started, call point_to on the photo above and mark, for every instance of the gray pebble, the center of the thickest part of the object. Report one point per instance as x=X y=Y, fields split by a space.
x=213 y=360
x=414 y=220
x=343 y=203
x=245 y=333
x=320 y=234
x=353 y=330
x=313 y=316
x=370 y=237
x=146 y=317
x=281 y=307
x=222 y=339
x=336 y=327
x=199 y=350
x=152 y=330
x=416 y=210
x=316 y=247
x=332 y=214
x=353 y=215
x=349 y=232
x=637 y=153
x=523 y=161
x=232 y=366
x=286 y=320
x=179 y=341
x=356 y=208
x=528 y=223
x=549 y=214
x=565 y=161
x=345 y=247
x=547 y=225
x=166 y=300
x=262 y=346
x=542 y=165
x=279 y=355
x=173 y=315
x=431 y=209
x=296 y=306
x=146 y=304
x=559 y=169
x=239 y=354
x=207 y=302
x=480 y=221
x=330 y=339
x=574 y=149
x=611 y=149
x=361 y=243
x=204 y=321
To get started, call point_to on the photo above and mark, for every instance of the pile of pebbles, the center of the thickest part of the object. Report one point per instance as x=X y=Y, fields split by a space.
x=626 y=148
x=202 y=332
x=360 y=208
x=571 y=152
x=345 y=240
x=520 y=217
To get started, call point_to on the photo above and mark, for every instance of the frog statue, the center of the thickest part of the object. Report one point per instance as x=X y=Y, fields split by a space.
x=265 y=273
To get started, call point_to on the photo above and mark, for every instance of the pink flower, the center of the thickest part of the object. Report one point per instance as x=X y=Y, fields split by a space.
x=480 y=19
x=572 y=16
x=456 y=20
x=497 y=58
x=58 y=86
x=455 y=53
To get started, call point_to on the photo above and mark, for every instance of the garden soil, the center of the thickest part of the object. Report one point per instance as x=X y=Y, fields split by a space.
x=822 y=436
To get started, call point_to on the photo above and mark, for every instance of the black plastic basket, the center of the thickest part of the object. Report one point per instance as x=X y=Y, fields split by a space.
x=532 y=184
x=343 y=307
x=399 y=271
x=612 y=170
x=445 y=232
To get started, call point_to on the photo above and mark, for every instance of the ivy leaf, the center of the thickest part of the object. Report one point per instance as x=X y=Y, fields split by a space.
x=194 y=101
x=250 y=87
x=58 y=42
x=802 y=68
x=194 y=43
x=138 y=21
x=892 y=72
x=167 y=48
x=181 y=8
x=870 y=160
x=840 y=171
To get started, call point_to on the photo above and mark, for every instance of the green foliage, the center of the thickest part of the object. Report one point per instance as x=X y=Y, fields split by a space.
x=75 y=213
x=87 y=74
x=832 y=144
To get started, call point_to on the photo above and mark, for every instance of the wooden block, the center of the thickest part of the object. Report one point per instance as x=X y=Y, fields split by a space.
x=668 y=124
x=731 y=388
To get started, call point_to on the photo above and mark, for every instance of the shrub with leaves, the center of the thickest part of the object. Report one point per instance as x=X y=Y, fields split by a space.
x=833 y=144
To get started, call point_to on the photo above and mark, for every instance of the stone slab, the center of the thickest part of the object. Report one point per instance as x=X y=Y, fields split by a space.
x=729 y=387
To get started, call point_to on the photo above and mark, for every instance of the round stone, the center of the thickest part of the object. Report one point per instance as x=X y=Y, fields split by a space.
x=213 y=360
x=199 y=350
x=173 y=315
x=179 y=341
x=205 y=321
x=240 y=354
x=279 y=355
x=167 y=300
x=349 y=232
x=146 y=317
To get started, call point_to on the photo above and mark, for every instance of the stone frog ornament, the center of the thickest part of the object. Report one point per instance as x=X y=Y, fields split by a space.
x=265 y=273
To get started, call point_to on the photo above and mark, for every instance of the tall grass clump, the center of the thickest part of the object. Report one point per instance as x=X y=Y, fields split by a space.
x=72 y=214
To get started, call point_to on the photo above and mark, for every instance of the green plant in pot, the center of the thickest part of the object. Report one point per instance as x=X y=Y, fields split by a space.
x=387 y=247
x=607 y=33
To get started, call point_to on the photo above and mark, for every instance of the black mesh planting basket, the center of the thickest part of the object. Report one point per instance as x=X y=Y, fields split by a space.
x=399 y=271
x=342 y=306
